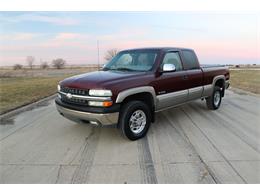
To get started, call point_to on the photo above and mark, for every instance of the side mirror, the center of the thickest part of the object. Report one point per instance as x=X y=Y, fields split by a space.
x=169 y=68
x=102 y=66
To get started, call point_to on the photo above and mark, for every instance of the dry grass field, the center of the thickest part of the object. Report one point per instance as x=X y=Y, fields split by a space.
x=247 y=79
x=21 y=87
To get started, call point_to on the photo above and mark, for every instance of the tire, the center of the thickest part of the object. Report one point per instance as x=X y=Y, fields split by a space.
x=135 y=114
x=214 y=101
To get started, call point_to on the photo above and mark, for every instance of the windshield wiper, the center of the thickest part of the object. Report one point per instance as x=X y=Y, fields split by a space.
x=122 y=69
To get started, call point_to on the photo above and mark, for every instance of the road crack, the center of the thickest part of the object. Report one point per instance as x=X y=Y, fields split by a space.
x=146 y=161
x=208 y=170
x=87 y=157
x=58 y=175
x=215 y=147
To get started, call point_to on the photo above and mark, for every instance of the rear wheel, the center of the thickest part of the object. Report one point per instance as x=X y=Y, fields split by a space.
x=214 y=101
x=135 y=119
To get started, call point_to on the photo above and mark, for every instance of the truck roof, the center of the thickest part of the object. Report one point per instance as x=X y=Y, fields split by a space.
x=159 y=48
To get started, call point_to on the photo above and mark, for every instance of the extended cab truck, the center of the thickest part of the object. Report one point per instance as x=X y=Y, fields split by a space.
x=135 y=84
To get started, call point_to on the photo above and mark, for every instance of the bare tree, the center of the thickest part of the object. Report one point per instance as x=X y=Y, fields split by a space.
x=17 y=66
x=44 y=65
x=110 y=54
x=30 y=60
x=58 y=63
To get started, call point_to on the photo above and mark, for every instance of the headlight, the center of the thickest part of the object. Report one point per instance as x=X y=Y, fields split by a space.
x=58 y=87
x=100 y=92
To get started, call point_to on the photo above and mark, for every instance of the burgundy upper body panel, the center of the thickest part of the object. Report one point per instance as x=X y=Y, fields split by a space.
x=114 y=80
x=210 y=73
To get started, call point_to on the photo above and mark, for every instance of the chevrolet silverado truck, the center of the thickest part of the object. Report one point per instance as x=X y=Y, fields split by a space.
x=136 y=84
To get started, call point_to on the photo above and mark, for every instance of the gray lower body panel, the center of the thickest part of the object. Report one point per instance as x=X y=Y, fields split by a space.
x=207 y=90
x=179 y=97
x=171 y=99
x=195 y=93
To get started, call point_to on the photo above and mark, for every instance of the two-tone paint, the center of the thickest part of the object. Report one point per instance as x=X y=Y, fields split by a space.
x=167 y=89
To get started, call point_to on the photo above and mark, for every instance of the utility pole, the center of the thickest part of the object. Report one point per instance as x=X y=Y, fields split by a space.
x=98 y=52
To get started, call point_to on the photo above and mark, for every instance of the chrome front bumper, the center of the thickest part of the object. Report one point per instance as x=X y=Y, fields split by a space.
x=101 y=119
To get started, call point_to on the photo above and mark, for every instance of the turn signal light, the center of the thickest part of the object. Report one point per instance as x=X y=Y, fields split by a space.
x=107 y=103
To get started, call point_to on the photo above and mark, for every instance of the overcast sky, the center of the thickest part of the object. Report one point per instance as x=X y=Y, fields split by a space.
x=218 y=38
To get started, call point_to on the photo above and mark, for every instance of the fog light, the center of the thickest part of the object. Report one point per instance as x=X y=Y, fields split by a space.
x=94 y=103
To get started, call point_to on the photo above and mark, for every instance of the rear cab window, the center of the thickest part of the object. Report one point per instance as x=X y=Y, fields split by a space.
x=190 y=60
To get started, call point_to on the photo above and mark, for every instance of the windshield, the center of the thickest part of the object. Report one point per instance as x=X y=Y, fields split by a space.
x=132 y=61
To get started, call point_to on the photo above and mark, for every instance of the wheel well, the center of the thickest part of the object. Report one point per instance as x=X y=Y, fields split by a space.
x=221 y=83
x=145 y=97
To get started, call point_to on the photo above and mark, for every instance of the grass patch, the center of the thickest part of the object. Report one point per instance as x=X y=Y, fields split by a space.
x=21 y=87
x=248 y=80
x=19 y=91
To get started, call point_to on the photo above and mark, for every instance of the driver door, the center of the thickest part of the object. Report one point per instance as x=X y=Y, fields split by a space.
x=172 y=87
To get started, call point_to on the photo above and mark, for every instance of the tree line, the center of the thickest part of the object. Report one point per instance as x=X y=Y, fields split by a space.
x=59 y=63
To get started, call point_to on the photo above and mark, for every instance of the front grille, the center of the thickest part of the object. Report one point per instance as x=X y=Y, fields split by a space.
x=74 y=101
x=74 y=91
x=82 y=92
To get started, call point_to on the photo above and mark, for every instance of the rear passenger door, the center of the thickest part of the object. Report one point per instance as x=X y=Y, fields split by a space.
x=171 y=87
x=194 y=74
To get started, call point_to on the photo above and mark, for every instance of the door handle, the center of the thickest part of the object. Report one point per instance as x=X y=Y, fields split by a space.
x=185 y=77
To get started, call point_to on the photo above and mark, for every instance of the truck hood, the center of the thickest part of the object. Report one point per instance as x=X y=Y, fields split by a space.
x=99 y=79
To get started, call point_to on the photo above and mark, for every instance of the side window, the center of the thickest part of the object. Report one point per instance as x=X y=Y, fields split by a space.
x=190 y=59
x=173 y=58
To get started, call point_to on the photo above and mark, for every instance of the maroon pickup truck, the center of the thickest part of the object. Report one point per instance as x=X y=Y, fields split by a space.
x=135 y=84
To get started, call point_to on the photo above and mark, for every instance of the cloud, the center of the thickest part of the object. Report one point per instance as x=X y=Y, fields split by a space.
x=36 y=17
x=19 y=36
x=125 y=33
x=70 y=36
x=54 y=20
x=68 y=40
x=25 y=36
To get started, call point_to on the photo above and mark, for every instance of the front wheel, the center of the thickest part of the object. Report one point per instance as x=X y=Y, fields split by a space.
x=135 y=119
x=214 y=101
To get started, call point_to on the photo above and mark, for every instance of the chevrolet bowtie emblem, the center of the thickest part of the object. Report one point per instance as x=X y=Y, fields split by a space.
x=69 y=95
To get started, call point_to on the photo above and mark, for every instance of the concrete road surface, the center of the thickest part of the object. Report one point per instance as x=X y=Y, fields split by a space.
x=188 y=144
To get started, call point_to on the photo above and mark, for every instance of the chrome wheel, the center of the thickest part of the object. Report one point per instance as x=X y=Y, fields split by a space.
x=217 y=98
x=137 y=121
